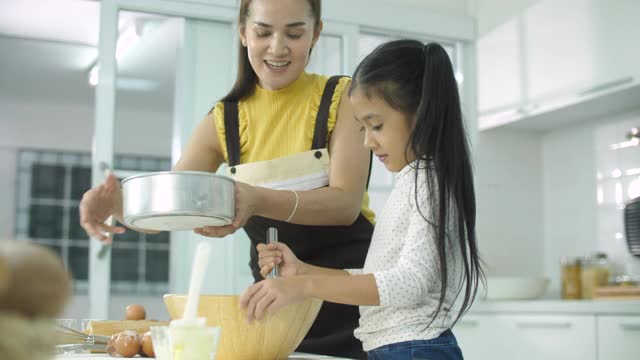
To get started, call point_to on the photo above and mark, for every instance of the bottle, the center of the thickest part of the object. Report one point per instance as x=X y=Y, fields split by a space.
x=571 y=278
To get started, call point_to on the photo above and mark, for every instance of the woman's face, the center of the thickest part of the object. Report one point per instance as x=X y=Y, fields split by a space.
x=278 y=35
x=387 y=131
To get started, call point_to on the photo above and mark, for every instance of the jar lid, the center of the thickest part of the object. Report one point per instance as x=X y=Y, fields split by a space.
x=600 y=255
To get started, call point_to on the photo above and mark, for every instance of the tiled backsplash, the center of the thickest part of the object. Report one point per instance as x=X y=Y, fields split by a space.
x=618 y=174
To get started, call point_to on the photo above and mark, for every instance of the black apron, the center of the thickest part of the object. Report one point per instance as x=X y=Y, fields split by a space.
x=337 y=247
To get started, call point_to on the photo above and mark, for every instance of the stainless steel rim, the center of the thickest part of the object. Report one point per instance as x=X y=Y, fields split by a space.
x=147 y=215
x=172 y=173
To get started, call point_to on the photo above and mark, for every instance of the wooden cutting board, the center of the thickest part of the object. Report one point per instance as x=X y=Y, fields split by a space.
x=617 y=293
x=110 y=327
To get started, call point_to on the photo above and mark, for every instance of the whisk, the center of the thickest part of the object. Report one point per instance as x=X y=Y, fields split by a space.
x=72 y=340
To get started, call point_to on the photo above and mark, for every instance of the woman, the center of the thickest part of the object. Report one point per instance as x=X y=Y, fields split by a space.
x=293 y=148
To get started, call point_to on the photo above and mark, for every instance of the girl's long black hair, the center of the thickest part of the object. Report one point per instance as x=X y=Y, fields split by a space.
x=418 y=80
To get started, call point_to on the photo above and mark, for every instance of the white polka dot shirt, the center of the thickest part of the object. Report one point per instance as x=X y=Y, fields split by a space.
x=403 y=259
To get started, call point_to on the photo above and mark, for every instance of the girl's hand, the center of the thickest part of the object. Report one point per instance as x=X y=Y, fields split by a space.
x=269 y=296
x=245 y=200
x=278 y=254
x=97 y=205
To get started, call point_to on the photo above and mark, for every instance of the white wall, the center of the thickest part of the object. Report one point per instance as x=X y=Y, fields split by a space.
x=569 y=197
x=537 y=197
x=616 y=190
x=508 y=165
x=575 y=224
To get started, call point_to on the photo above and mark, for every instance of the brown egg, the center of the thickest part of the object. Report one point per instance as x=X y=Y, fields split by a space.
x=126 y=344
x=111 y=348
x=146 y=349
x=135 y=312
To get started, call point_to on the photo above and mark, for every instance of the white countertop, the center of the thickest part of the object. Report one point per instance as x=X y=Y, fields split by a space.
x=587 y=307
x=294 y=356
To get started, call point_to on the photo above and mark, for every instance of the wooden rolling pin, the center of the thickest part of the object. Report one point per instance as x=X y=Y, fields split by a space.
x=108 y=327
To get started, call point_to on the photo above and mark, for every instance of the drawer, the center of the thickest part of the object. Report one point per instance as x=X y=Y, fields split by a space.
x=618 y=337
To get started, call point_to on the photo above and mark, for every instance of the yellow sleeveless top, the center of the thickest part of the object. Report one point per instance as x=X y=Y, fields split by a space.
x=274 y=124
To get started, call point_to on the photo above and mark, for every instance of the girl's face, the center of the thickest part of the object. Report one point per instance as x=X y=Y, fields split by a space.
x=387 y=130
x=278 y=35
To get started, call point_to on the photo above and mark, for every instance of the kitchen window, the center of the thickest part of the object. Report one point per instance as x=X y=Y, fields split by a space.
x=49 y=187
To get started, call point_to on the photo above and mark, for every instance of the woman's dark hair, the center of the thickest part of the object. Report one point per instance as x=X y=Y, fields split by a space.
x=247 y=78
x=418 y=80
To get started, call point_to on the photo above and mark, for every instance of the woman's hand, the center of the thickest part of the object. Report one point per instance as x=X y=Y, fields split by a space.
x=269 y=296
x=97 y=205
x=278 y=254
x=245 y=201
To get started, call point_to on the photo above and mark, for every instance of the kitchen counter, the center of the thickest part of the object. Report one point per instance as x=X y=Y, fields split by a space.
x=294 y=356
x=590 y=307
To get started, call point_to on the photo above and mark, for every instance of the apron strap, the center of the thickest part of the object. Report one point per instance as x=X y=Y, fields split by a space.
x=320 y=132
x=232 y=124
x=231 y=129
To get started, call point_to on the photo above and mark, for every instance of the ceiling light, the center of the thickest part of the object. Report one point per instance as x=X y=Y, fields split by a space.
x=127 y=40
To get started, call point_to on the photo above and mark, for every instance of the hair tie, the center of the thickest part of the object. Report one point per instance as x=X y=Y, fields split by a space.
x=425 y=49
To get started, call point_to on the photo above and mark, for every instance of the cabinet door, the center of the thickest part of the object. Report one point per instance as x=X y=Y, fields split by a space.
x=615 y=29
x=478 y=337
x=548 y=337
x=527 y=337
x=618 y=337
x=499 y=69
x=558 y=45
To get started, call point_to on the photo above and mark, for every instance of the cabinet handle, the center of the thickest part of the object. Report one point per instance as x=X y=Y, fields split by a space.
x=630 y=326
x=606 y=86
x=468 y=323
x=543 y=325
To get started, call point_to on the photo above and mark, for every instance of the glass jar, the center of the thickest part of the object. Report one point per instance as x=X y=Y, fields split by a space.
x=595 y=273
x=571 y=278
x=601 y=262
x=588 y=277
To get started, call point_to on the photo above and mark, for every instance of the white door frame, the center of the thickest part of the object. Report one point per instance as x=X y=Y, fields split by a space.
x=103 y=148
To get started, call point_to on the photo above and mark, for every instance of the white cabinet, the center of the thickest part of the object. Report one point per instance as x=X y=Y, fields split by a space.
x=618 y=337
x=549 y=337
x=573 y=46
x=559 y=47
x=527 y=337
x=500 y=70
x=479 y=337
x=555 y=54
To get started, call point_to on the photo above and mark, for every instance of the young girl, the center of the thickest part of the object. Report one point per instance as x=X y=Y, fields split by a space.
x=424 y=252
